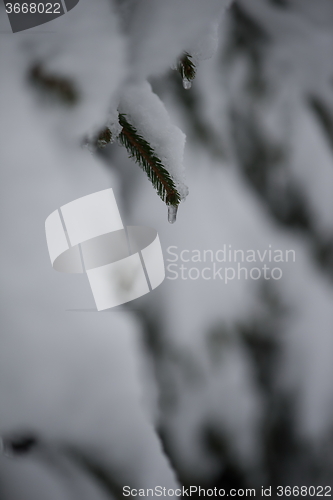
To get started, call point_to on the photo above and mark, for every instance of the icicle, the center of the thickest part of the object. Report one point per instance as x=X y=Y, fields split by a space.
x=172 y=213
x=186 y=83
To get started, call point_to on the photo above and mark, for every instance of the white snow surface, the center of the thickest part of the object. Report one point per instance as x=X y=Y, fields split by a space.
x=161 y=31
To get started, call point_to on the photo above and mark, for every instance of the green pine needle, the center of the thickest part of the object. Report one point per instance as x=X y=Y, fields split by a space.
x=141 y=151
x=186 y=67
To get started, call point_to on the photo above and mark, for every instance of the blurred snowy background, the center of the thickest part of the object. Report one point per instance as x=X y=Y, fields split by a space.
x=199 y=382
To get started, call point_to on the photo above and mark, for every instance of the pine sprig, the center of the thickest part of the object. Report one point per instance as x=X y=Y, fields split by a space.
x=139 y=149
x=186 y=67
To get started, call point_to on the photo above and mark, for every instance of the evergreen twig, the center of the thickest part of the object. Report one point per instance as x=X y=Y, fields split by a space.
x=186 y=67
x=139 y=149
